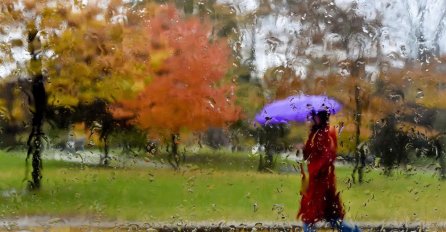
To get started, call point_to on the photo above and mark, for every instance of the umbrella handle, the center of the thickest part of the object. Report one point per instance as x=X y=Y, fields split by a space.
x=341 y=126
x=304 y=181
x=302 y=170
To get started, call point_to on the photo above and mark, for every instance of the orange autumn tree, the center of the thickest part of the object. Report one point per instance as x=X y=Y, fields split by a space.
x=187 y=91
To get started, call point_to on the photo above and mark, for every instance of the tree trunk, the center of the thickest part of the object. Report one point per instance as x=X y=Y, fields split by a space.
x=441 y=156
x=357 y=117
x=127 y=149
x=360 y=162
x=39 y=98
x=188 y=7
x=105 y=132
x=234 y=143
x=269 y=159
x=266 y=162
x=442 y=162
x=358 y=70
x=35 y=139
x=174 y=157
x=200 y=139
x=106 y=160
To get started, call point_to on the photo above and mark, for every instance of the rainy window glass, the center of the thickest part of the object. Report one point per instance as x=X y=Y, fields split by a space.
x=222 y=115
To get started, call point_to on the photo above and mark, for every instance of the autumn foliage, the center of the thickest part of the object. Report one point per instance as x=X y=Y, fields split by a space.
x=95 y=57
x=187 y=91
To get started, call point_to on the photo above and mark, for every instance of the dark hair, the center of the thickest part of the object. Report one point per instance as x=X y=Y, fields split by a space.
x=324 y=116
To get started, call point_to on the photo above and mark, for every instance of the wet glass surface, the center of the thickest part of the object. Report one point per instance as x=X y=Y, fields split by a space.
x=222 y=114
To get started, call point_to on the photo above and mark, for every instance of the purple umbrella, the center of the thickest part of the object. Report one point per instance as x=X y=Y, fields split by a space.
x=296 y=108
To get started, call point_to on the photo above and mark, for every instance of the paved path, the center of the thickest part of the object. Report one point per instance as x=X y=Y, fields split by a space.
x=46 y=223
x=92 y=157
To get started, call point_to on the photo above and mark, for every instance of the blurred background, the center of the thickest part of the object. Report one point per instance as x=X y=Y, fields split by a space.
x=144 y=110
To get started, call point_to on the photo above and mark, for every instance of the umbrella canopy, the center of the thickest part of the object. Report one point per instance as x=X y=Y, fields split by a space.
x=296 y=108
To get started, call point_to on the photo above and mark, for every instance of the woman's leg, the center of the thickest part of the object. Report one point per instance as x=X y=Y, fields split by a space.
x=345 y=227
x=342 y=226
x=309 y=227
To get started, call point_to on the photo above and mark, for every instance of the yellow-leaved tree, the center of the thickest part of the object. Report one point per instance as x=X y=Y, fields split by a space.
x=79 y=56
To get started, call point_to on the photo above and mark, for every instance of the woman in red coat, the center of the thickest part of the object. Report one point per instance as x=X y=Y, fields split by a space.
x=321 y=201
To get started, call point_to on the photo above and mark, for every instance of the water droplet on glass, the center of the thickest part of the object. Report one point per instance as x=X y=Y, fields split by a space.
x=420 y=94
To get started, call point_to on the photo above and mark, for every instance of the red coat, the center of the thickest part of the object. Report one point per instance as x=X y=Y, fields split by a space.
x=321 y=201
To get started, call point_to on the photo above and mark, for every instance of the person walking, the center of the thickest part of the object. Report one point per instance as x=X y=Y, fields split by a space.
x=320 y=199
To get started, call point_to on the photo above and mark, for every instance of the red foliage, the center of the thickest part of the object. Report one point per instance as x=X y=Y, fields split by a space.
x=187 y=91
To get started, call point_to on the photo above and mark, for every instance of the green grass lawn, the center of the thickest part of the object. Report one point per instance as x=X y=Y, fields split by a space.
x=203 y=193
x=207 y=158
